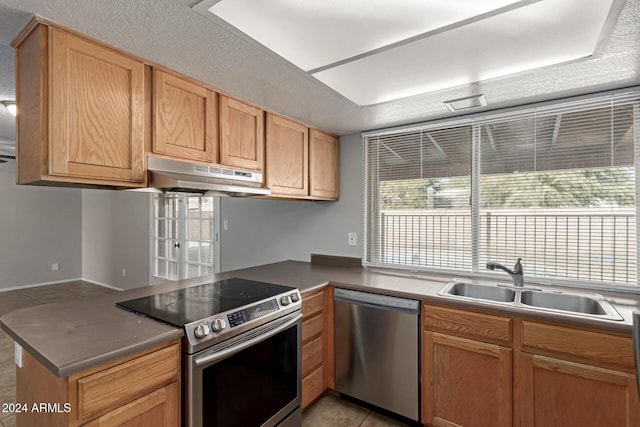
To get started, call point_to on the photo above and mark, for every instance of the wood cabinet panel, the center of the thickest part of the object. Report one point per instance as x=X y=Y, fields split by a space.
x=311 y=355
x=312 y=386
x=287 y=156
x=122 y=382
x=465 y=382
x=317 y=345
x=312 y=327
x=186 y=119
x=158 y=408
x=470 y=324
x=312 y=304
x=241 y=134
x=83 y=111
x=135 y=390
x=324 y=165
x=582 y=345
x=566 y=394
x=97 y=102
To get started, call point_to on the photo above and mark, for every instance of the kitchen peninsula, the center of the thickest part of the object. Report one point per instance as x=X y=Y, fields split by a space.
x=64 y=340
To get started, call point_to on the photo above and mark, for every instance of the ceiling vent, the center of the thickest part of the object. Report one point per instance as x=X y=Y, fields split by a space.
x=460 y=104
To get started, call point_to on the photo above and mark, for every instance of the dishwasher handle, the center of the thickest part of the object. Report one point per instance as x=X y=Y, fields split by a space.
x=385 y=302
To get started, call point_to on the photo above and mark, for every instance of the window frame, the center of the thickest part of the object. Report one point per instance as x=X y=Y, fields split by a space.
x=476 y=121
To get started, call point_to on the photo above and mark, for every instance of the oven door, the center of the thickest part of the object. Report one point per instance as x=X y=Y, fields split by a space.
x=253 y=379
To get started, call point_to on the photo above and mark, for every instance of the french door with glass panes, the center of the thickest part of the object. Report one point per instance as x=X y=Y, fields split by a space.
x=184 y=236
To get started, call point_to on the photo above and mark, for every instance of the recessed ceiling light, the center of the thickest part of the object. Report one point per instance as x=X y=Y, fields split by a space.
x=473 y=101
x=11 y=106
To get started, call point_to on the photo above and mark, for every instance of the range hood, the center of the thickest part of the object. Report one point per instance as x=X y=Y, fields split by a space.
x=174 y=175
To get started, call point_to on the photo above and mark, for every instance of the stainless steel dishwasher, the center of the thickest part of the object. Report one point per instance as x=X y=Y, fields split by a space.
x=377 y=350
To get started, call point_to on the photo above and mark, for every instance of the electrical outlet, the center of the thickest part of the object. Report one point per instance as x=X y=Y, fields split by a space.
x=124 y=272
x=55 y=266
x=225 y=225
x=352 y=238
x=17 y=355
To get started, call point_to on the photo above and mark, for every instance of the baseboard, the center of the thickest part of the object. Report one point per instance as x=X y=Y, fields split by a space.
x=35 y=285
x=95 y=282
x=57 y=282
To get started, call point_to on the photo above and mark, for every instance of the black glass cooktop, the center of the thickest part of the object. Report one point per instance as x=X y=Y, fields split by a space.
x=188 y=305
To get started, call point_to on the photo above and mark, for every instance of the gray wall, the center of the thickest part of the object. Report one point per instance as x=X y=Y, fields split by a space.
x=263 y=231
x=95 y=234
x=115 y=236
x=39 y=226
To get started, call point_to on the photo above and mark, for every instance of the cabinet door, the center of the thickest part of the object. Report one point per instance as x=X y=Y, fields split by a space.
x=241 y=135
x=567 y=394
x=185 y=124
x=324 y=165
x=465 y=382
x=158 y=408
x=287 y=171
x=97 y=117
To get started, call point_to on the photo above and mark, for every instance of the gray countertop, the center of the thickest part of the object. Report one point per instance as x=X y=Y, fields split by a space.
x=86 y=332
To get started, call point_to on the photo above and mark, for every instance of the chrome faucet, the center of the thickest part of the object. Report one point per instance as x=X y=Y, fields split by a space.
x=516 y=273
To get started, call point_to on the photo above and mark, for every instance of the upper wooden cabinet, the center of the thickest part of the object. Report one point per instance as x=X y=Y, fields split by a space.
x=185 y=114
x=301 y=162
x=241 y=135
x=324 y=165
x=287 y=170
x=83 y=111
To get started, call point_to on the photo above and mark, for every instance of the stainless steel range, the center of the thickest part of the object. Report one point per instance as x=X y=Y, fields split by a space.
x=242 y=346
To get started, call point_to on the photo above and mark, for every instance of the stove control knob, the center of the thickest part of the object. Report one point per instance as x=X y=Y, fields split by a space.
x=295 y=297
x=285 y=300
x=218 y=324
x=201 y=331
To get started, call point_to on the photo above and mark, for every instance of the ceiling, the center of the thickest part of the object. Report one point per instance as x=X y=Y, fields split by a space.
x=172 y=33
x=379 y=51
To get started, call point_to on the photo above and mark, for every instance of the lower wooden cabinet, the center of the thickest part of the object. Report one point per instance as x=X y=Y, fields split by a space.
x=561 y=393
x=317 y=345
x=466 y=382
x=485 y=369
x=575 y=377
x=138 y=390
x=466 y=369
x=160 y=408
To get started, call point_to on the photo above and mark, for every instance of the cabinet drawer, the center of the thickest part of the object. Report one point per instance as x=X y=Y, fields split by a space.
x=127 y=381
x=312 y=304
x=311 y=327
x=467 y=323
x=311 y=355
x=582 y=344
x=312 y=387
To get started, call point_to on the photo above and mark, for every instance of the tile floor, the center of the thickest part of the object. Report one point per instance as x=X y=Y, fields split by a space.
x=331 y=411
x=328 y=411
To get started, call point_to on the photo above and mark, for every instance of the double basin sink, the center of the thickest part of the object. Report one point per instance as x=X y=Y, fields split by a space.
x=581 y=304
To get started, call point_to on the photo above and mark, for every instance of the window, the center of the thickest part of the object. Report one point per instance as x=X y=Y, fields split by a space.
x=184 y=236
x=554 y=184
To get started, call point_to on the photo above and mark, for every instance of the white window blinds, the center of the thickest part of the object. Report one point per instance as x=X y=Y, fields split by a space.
x=554 y=185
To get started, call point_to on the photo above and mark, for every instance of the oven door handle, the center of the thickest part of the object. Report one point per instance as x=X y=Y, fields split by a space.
x=216 y=355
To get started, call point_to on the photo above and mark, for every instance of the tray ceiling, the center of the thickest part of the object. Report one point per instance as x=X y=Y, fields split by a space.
x=173 y=34
x=375 y=51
